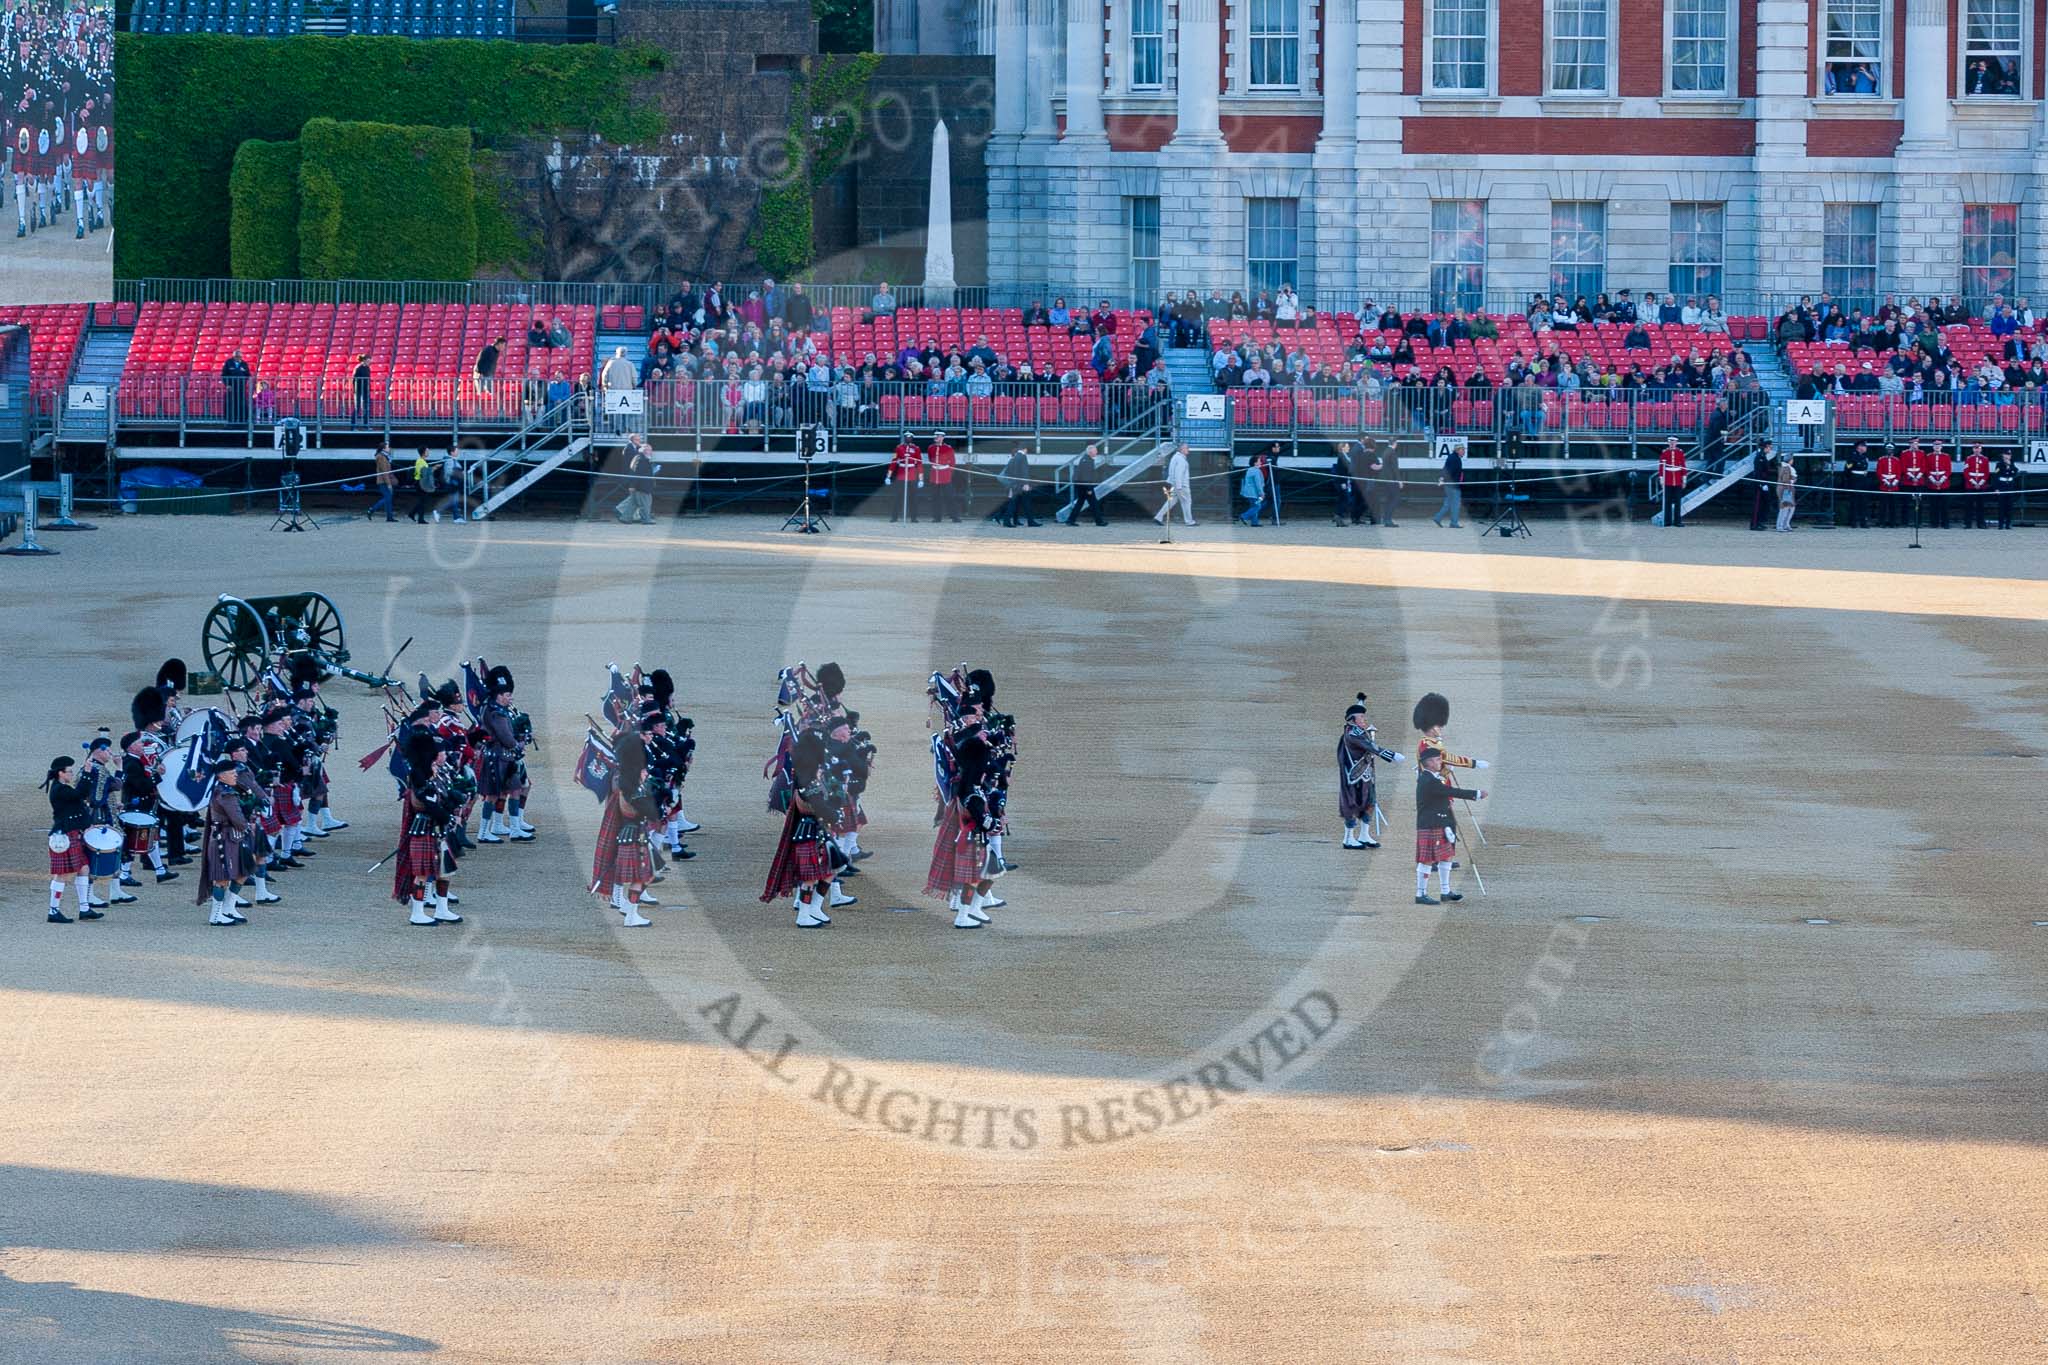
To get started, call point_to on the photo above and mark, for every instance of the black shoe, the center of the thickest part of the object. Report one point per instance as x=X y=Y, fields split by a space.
x=863 y=855
x=90 y=914
x=127 y=880
x=1034 y=523
x=1454 y=895
x=683 y=853
x=1425 y=900
x=163 y=877
x=292 y=863
x=304 y=853
x=179 y=859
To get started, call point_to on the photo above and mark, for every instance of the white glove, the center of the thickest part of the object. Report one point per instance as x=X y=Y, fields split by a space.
x=920 y=483
x=1481 y=763
x=1398 y=757
x=1482 y=793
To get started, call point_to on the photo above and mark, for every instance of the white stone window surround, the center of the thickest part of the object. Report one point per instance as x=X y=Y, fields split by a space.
x=2026 y=56
x=1119 y=48
x=1611 y=44
x=1887 y=46
x=1730 y=63
x=1237 y=41
x=1429 y=88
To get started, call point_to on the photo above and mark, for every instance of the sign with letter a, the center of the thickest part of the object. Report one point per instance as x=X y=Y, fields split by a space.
x=1447 y=446
x=1806 y=412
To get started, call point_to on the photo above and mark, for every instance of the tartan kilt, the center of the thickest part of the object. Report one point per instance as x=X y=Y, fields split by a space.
x=136 y=839
x=418 y=860
x=72 y=860
x=284 y=801
x=799 y=859
x=617 y=863
x=959 y=857
x=1433 y=846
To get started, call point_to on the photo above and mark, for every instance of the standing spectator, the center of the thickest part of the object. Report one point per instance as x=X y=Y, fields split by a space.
x=387 y=485
x=796 y=309
x=1452 y=481
x=234 y=383
x=1385 y=474
x=362 y=387
x=1177 y=488
x=617 y=372
x=1085 y=476
x=883 y=304
x=1254 y=489
x=486 y=368
x=1017 y=478
x=1766 y=490
x=1344 y=479
x=1788 y=491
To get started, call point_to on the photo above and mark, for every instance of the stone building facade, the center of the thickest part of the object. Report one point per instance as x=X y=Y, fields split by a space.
x=1469 y=149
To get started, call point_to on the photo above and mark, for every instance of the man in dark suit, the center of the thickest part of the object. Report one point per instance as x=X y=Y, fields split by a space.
x=1085 y=475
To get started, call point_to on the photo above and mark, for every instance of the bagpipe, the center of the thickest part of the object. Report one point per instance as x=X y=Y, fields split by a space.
x=1356 y=772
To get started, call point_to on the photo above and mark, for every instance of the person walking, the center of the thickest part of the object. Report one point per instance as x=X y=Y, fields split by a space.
x=1085 y=476
x=387 y=485
x=486 y=369
x=450 y=480
x=1451 y=480
x=1017 y=478
x=1380 y=490
x=362 y=387
x=422 y=486
x=1253 y=488
x=1788 y=491
x=638 y=504
x=1177 y=493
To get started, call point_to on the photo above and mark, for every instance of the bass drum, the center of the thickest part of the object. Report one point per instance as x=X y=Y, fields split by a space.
x=187 y=784
x=211 y=724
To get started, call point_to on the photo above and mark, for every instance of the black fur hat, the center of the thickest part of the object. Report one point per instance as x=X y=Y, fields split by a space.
x=305 y=670
x=173 y=674
x=1433 y=710
x=664 y=686
x=632 y=758
x=1356 y=708
x=447 y=694
x=498 y=680
x=276 y=714
x=831 y=680
x=420 y=748
x=981 y=686
x=147 y=708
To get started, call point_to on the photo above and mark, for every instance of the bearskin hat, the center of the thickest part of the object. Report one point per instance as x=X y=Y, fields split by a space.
x=1356 y=708
x=981 y=686
x=664 y=686
x=420 y=748
x=447 y=694
x=305 y=669
x=970 y=759
x=831 y=680
x=1433 y=710
x=498 y=680
x=173 y=674
x=148 y=707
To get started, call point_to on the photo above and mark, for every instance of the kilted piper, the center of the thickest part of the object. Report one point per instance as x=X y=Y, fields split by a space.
x=223 y=845
x=1357 y=785
x=1436 y=827
x=961 y=870
x=801 y=868
x=623 y=864
x=425 y=811
x=69 y=817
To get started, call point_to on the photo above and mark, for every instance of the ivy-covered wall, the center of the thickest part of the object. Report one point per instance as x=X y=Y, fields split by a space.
x=827 y=116
x=381 y=201
x=189 y=101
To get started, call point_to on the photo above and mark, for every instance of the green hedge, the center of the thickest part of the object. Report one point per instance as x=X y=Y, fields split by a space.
x=189 y=101
x=381 y=201
x=263 y=223
x=826 y=113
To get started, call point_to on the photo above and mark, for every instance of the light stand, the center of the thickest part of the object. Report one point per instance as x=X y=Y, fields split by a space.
x=1916 y=523
x=290 y=516
x=1508 y=521
x=811 y=442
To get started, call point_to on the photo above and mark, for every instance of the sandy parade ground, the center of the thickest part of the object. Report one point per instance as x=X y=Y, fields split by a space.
x=1742 y=1057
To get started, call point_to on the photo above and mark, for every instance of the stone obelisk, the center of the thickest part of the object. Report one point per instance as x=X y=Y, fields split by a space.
x=938 y=236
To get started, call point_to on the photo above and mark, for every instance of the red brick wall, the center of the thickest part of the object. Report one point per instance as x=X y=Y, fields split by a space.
x=1641 y=50
x=1812 y=56
x=1521 y=47
x=1658 y=137
x=1411 y=47
x=1745 y=39
x=1138 y=132
x=1271 y=133
x=2040 y=67
x=1898 y=49
x=1853 y=137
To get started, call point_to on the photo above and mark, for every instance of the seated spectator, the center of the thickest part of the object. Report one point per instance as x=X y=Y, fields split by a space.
x=1215 y=308
x=1638 y=338
x=1059 y=315
x=2002 y=323
x=1690 y=315
x=1484 y=328
x=1669 y=311
x=1603 y=308
x=560 y=338
x=1712 y=319
x=1286 y=307
x=1624 y=307
x=1563 y=317
x=1102 y=322
x=1035 y=315
x=536 y=334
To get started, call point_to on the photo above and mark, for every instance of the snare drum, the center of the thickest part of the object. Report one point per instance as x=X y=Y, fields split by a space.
x=102 y=851
x=140 y=819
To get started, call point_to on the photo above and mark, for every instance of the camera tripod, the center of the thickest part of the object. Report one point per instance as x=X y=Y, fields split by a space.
x=290 y=516
x=1508 y=521
x=804 y=520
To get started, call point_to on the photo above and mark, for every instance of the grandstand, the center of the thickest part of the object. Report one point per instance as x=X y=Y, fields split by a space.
x=282 y=18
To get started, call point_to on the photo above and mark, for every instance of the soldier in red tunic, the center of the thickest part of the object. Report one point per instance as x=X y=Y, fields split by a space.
x=906 y=466
x=1671 y=473
x=1889 y=474
x=945 y=490
x=1939 y=470
x=1976 y=480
